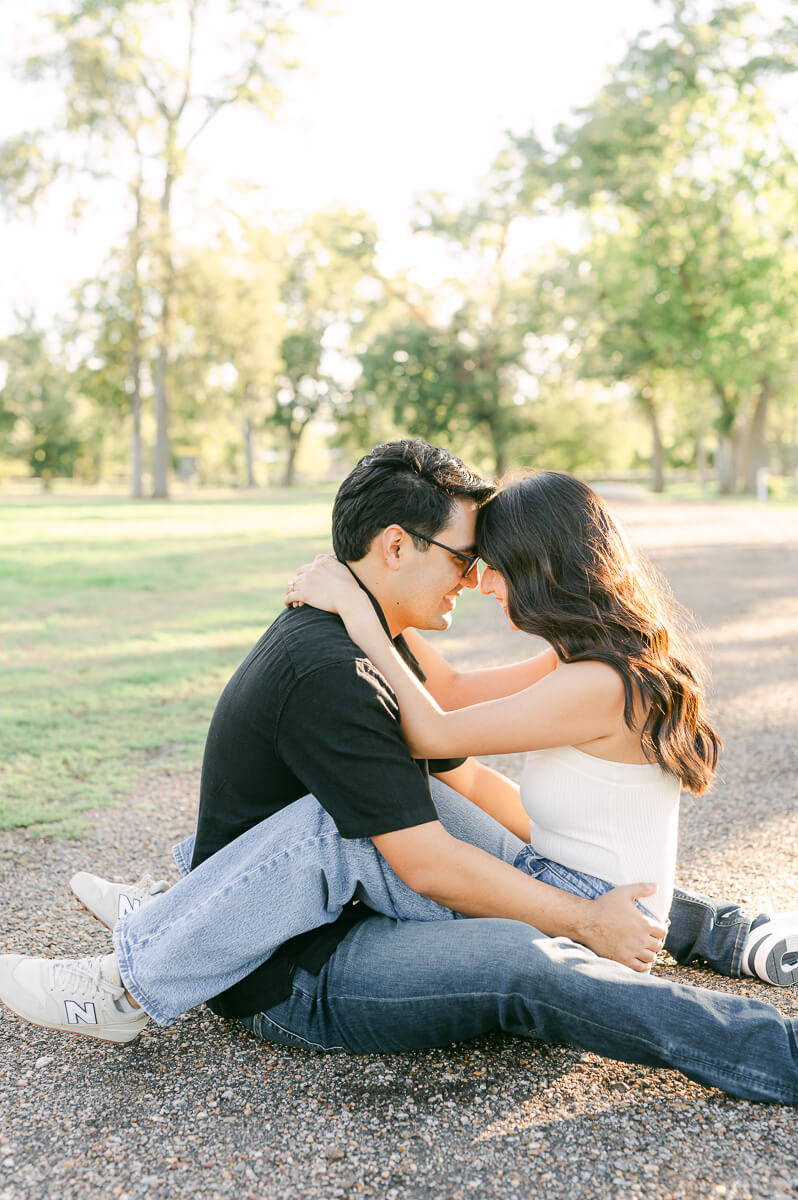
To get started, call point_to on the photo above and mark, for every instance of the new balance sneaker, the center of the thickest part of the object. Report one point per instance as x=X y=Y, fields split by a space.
x=771 y=949
x=78 y=995
x=108 y=901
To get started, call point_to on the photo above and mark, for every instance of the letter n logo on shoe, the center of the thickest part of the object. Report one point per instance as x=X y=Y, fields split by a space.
x=77 y=1013
x=126 y=904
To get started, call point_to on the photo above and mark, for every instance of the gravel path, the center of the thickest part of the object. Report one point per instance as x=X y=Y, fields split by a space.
x=202 y=1109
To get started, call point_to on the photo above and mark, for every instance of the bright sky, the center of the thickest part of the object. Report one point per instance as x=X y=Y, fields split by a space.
x=394 y=97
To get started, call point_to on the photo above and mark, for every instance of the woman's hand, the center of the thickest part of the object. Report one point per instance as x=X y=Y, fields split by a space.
x=325 y=583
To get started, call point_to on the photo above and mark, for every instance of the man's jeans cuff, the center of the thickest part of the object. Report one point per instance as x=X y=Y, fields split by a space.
x=181 y=853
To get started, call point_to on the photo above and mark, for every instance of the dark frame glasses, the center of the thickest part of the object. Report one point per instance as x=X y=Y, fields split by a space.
x=470 y=560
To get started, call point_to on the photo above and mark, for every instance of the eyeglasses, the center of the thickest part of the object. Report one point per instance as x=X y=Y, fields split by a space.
x=470 y=560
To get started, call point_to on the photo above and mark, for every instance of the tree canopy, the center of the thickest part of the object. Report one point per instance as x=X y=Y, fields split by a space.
x=670 y=311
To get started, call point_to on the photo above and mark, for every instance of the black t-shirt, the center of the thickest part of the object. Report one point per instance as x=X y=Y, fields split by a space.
x=307 y=712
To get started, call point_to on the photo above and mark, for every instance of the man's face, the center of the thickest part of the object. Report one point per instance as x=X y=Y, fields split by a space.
x=432 y=579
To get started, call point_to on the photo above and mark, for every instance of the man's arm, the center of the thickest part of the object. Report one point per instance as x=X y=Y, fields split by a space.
x=470 y=881
x=491 y=791
x=351 y=756
x=457 y=689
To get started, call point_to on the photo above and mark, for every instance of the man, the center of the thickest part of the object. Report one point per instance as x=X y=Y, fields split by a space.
x=306 y=712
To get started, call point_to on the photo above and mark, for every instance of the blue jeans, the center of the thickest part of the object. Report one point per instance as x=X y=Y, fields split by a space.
x=418 y=977
x=579 y=883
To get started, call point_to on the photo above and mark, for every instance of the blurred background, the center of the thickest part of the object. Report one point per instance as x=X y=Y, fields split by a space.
x=246 y=240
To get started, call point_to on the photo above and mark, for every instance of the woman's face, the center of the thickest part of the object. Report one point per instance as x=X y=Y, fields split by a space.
x=493 y=583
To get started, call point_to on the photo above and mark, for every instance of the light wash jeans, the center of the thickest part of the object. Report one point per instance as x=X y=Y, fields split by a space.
x=578 y=883
x=418 y=977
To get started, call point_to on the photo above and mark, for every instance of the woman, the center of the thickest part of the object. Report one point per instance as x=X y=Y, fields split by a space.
x=615 y=727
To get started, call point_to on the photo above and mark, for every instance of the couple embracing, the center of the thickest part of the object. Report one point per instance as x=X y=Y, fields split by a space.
x=357 y=881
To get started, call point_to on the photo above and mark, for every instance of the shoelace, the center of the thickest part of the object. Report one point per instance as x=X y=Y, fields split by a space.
x=83 y=976
x=147 y=886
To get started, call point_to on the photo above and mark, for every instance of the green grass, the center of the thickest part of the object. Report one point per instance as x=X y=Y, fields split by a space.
x=120 y=624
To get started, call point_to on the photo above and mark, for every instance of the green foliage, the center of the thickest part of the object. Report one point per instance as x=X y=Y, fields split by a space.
x=689 y=192
x=228 y=327
x=449 y=365
x=419 y=374
x=581 y=429
x=37 y=406
x=142 y=80
x=328 y=260
x=679 y=305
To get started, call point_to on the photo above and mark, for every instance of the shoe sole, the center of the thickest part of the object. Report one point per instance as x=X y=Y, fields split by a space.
x=778 y=974
x=782 y=976
x=91 y=913
x=77 y=1030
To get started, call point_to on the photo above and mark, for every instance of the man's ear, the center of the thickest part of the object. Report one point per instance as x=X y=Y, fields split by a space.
x=393 y=542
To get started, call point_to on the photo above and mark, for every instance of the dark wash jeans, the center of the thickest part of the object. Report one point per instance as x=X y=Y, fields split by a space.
x=399 y=985
x=396 y=984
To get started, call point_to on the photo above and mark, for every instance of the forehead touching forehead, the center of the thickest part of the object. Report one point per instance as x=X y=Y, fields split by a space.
x=459 y=530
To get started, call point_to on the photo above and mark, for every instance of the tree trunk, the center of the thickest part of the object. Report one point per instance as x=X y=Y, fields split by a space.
x=160 y=464
x=249 y=457
x=136 y=488
x=701 y=460
x=499 y=439
x=726 y=455
x=753 y=446
x=290 y=464
x=657 y=452
x=160 y=472
x=726 y=464
x=501 y=463
x=295 y=432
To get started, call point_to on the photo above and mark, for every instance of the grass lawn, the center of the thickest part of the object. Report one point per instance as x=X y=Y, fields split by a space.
x=120 y=624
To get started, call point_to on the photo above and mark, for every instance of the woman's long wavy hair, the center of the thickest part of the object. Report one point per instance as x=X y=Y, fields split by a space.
x=573 y=580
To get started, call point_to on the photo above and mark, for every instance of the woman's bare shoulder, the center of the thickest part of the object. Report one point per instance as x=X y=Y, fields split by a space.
x=595 y=678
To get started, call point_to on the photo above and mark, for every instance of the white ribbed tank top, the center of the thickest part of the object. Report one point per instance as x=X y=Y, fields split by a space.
x=619 y=821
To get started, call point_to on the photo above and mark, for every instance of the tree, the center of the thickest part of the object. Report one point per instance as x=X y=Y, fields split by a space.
x=449 y=364
x=142 y=80
x=419 y=373
x=681 y=172
x=112 y=334
x=229 y=327
x=37 y=403
x=618 y=325
x=329 y=269
x=494 y=309
x=301 y=391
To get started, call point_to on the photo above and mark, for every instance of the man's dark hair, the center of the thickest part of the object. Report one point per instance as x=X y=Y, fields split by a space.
x=407 y=483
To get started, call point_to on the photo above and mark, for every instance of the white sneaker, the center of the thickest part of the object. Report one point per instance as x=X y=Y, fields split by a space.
x=108 y=901
x=78 y=995
x=771 y=949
